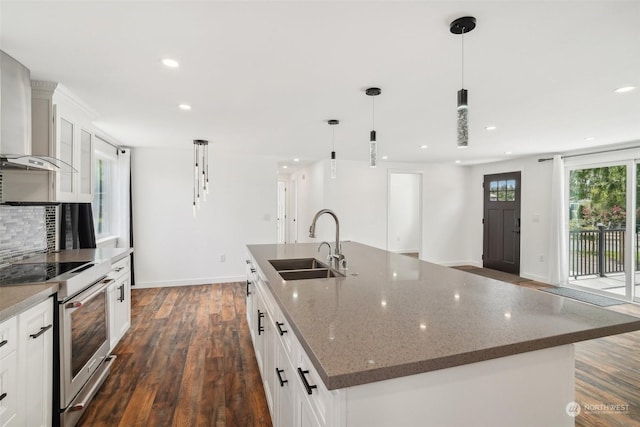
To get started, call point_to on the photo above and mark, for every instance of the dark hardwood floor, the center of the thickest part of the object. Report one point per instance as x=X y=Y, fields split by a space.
x=188 y=361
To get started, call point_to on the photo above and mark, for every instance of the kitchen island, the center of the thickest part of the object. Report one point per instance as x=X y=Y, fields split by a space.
x=399 y=341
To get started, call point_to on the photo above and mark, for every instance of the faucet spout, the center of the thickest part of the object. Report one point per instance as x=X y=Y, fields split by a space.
x=337 y=255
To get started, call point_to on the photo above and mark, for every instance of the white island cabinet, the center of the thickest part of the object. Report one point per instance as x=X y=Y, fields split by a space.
x=26 y=353
x=402 y=342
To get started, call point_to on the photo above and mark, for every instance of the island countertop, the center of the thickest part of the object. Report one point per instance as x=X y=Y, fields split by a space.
x=393 y=315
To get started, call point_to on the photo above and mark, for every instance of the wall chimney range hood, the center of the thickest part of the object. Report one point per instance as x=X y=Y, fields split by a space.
x=15 y=121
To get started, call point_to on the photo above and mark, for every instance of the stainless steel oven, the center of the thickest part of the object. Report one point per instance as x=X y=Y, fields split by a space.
x=84 y=348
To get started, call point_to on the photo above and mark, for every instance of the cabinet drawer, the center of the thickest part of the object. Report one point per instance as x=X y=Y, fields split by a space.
x=8 y=336
x=120 y=268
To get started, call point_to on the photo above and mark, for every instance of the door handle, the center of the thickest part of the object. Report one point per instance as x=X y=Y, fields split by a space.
x=42 y=331
x=308 y=386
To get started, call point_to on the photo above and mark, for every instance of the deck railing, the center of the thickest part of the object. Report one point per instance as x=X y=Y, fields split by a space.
x=597 y=252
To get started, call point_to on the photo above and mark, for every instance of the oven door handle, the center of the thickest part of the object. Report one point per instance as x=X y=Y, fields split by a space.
x=102 y=286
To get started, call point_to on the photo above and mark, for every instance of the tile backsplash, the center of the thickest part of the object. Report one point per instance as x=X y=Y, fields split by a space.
x=26 y=230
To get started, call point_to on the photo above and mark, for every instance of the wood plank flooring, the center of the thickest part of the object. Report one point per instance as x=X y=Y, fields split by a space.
x=188 y=361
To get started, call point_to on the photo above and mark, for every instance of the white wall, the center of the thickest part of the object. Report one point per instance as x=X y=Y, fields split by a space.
x=535 y=211
x=405 y=211
x=359 y=197
x=174 y=248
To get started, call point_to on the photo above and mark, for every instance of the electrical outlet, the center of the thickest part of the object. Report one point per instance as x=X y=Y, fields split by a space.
x=223 y=258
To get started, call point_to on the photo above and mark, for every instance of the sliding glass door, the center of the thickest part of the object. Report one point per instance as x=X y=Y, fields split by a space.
x=603 y=238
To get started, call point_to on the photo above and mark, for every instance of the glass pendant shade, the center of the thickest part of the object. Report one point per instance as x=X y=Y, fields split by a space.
x=333 y=165
x=200 y=172
x=463 y=119
x=373 y=150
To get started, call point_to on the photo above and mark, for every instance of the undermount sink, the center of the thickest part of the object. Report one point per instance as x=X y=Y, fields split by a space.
x=303 y=268
x=318 y=273
x=297 y=264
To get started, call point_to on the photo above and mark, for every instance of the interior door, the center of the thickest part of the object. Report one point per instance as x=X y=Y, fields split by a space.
x=501 y=242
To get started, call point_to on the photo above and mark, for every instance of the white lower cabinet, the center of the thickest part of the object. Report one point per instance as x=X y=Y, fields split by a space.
x=26 y=367
x=119 y=300
x=283 y=364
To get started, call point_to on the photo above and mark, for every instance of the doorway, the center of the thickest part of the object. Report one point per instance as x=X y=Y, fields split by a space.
x=501 y=236
x=281 y=220
x=404 y=216
x=603 y=240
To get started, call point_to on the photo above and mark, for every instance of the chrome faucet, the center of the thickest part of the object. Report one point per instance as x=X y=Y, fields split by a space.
x=328 y=245
x=337 y=259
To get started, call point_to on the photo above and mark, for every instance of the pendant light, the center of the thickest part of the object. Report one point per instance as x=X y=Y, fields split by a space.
x=333 y=122
x=200 y=172
x=461 y=26
x=373 y=149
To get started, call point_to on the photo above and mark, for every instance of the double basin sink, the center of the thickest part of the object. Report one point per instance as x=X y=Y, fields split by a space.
x=303 y=268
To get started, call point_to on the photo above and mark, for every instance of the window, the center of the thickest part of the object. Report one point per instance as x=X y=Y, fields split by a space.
x=104 y=194
x=502 y=191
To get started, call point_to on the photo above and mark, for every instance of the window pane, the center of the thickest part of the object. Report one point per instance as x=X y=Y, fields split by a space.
x=493 y=196
x=502 y=191
x=493 y=185
x=103 y=196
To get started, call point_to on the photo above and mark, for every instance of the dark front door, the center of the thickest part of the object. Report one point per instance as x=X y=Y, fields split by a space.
x=502 y=222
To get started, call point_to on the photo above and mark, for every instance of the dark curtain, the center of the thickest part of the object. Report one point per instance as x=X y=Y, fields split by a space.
x=133 y=278
x=76 y=226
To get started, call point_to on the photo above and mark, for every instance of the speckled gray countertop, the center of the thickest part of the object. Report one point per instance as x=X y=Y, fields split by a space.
x=17 y=298
x=401 y=316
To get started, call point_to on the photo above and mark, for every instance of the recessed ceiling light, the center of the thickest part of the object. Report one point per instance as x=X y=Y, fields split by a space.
x=424 y=147
x=624 y=89
x=458 y=161
x=385 y=157
x=507 y=152
x=590 y=138
x=490 y=128
x=184 y=107
x=285 y=167
x=296 y=160
x=171 y=63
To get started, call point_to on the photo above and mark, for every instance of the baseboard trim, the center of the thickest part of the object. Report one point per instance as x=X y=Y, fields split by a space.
x=459 y=263
x=189 y=282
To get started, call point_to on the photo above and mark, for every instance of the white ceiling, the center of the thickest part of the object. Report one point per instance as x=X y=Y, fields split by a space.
x=265 y=76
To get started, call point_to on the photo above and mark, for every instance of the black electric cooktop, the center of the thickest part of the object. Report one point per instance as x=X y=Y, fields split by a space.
x=18 y=274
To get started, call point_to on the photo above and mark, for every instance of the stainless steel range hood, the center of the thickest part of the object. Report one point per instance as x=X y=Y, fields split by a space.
x=15 y=120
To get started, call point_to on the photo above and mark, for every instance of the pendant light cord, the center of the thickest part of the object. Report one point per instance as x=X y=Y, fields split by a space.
x=373 y=113
x=333 y=144
x=462 y=61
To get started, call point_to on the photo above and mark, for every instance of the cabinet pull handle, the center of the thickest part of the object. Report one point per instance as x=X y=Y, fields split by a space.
x=2 y=396
x=119 y=269
x=248 y=291
x=3 y=342
x=260 y=327
x=282 y=382
x=280 y=330
x=253 y=270
x=306 y=384
x=42 y=331
x=248 y=261
x=121 y=299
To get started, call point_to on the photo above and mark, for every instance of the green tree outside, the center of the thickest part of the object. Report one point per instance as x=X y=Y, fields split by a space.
x=598 y=196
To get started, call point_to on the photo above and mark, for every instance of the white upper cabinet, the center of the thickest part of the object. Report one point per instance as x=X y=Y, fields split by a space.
x=61 y=128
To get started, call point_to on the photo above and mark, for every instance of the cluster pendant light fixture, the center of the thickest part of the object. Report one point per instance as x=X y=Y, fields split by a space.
x=200 y=172
x=373 y=149
x=461 y=26
x=334 y=166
